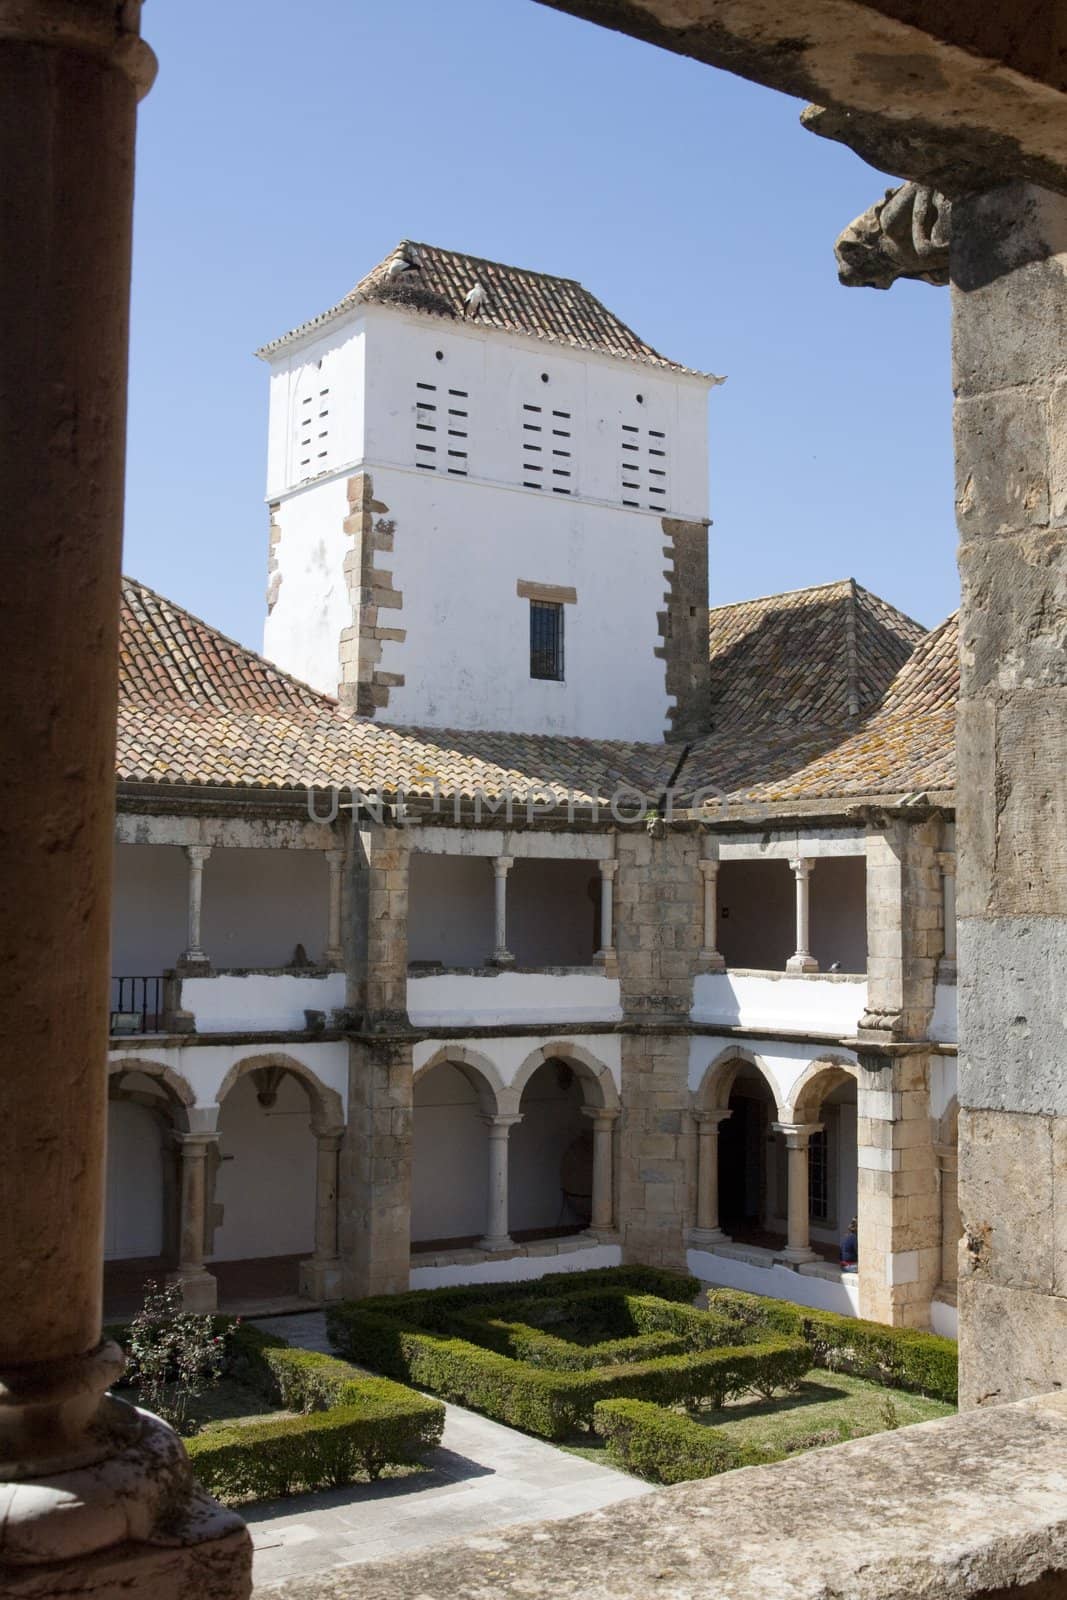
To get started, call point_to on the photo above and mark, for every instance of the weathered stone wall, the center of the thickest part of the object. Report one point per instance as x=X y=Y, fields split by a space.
x=905 y=925
x=1009 y=277
x=659 y=893
x=898 y=1190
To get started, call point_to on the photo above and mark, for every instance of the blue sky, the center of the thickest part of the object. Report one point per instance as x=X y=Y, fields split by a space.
x=285 y=148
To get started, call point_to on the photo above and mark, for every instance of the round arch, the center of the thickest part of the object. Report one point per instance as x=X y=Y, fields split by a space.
x=478 y=1070
x=716 y=1085
x=327 y=1110
x=178 y=1092
x=817 y=1080
x=595 y=1077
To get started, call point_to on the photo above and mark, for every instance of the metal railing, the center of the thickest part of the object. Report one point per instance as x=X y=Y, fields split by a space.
x=137 y=1004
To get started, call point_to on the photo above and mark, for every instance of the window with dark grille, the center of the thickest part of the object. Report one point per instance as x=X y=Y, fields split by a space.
x=546 y=640
x=818 y=1178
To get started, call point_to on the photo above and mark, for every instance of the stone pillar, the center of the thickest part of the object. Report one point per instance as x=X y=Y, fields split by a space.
x=605 y=956
x=797 y=1135
x=1009 y=306
x=198 y=1286
x=502 y=865
x=378 y=976
x=946 y=967
x=197 y=854
x=375 y=1169
x=333 y=955
x=710 y=958
x=320 y=1277
x=898 y=1205
x=496 y=1222
x=72 y=75
x=603 y=1118
x=707 y=1230
x=657 y=934
x=803 y=960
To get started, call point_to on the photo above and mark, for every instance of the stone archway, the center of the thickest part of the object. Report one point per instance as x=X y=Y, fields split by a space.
x=735 y=1105
x=562 y=1145
x=148 y=1116
x=461 y=1114
x=275 y=1211
x=820 y=1131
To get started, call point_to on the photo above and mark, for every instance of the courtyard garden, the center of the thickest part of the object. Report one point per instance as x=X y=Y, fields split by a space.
x=262 y=1419
x=621 y=1363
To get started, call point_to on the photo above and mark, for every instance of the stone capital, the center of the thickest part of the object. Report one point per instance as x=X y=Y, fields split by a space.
x=198 y=853
x=502 y=865
x=946 y=860
x=802 y=866
x=500 y=1125
x=708 y=1119
x=100 y=28
x=797 y=1134
x=609 y=866
x=709 y=866
x=601 y=1114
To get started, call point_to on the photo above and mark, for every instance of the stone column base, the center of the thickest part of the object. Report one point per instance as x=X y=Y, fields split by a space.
x=320 y=1280
x=494 y=1245
x=132 y=1523
x=200 y=1290
x=793 y=1256
x=802 y=964
x=701 y=1238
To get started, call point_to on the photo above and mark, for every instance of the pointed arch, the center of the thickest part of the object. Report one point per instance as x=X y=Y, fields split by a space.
x=596 y=1078
x=716 y=1085
x=327 y=1110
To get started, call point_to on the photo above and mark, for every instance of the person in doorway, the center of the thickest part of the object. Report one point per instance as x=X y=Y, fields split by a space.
x=850 y=1249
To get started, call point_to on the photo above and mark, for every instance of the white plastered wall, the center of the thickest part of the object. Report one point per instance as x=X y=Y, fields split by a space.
x=266 y=1177
x=463 y=542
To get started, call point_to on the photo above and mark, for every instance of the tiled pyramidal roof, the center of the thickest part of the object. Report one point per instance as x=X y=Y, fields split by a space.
x=198 y=710
x=815 y=656
x=516 y=300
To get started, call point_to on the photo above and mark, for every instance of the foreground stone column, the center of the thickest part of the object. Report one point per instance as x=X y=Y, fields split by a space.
x=1009 y=308
x=320 y=1278
x=606 y=954
x=197 y=854
x=502 y=865
x=333 y=954
x=199 y=1287
x=797 y=1135
x=709 y=953
x=602 y=1219
x=707 y=1230
x=496 y=1225
x=95 y=1498
x=948 y=1176
x=803 y=960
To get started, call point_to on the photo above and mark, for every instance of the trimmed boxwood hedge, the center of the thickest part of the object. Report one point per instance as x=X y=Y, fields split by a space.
x=471 y=1350
x=380 y=1423
x=898 y=1358
x=664 y=1446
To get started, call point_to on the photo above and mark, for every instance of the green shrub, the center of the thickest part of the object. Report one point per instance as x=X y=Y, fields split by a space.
x=900 y=1358
x=662 y=1446
x=381 y=1424
x=552 y=1402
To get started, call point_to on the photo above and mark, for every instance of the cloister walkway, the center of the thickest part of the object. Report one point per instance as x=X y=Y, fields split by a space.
x=483 y=1478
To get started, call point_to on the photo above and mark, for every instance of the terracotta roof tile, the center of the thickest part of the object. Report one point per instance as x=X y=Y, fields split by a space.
x=197 y=709
x=517 y=300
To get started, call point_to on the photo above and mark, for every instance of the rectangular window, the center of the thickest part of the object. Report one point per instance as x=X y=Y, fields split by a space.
x=546 y=640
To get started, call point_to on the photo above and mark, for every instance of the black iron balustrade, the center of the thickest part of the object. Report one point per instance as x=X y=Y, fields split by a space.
x=137 y=1004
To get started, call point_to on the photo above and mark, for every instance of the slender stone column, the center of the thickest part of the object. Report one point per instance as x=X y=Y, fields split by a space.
x=803 y=960
x=606 y=954
x=502 y=865
x=707 y=1230
x=946 y=967
x=603 y=1119
x=197 y=854
x=496 y=1227
x=333 y=954
x=797 y=1135
x=198 y=1286
x=320 y=1278
x=709 y=954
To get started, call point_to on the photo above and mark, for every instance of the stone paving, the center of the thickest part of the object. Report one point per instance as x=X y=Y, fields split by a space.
x=484 y=1477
